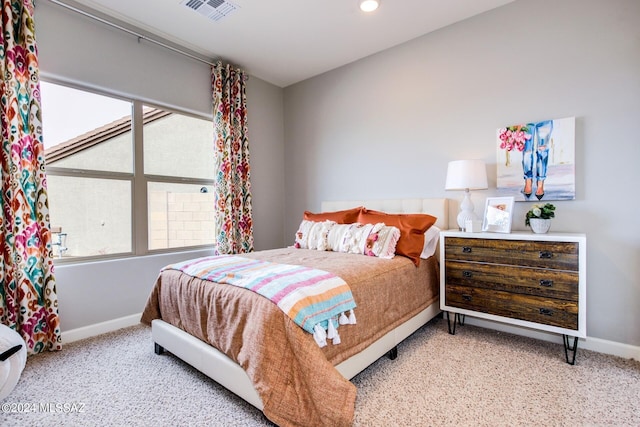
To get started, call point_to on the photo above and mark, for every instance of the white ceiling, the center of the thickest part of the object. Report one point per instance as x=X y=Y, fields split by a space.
x=286 y=41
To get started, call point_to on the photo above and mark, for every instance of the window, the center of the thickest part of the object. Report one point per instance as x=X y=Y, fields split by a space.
x=178 y=163
x=89 y=216
x=179 y=215
x=112 y=193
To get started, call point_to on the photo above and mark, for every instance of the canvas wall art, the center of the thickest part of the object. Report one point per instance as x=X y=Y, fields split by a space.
x=536 y=160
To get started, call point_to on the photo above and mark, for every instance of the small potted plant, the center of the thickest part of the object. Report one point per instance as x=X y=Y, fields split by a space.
x=539 y=217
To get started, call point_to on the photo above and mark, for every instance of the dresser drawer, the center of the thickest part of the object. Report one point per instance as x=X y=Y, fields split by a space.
x=529 y=253
x=524 y=280
x=546 y=311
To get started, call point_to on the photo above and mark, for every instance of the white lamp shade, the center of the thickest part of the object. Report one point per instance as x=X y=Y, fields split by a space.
x=466 y=175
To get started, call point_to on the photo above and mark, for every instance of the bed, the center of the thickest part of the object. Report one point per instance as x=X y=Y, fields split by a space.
x=268 y=348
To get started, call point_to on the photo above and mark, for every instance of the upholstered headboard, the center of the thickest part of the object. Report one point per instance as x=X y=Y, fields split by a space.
x=435 y=207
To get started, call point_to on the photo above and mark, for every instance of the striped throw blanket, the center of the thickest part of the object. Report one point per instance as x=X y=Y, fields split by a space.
x=316 y=300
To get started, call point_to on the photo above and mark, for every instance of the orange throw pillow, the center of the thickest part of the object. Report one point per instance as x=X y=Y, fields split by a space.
x=412 y=228
x=348 y=216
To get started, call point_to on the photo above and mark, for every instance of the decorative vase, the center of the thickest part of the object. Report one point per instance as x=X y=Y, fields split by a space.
x=539 y=225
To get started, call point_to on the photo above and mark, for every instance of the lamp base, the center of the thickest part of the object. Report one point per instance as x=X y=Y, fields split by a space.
x=466 y=211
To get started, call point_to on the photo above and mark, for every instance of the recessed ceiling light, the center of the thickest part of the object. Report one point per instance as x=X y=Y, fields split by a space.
x=369 y=5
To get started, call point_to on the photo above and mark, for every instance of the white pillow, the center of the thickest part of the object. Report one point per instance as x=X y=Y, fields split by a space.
x=313 y=235
x=430 y=242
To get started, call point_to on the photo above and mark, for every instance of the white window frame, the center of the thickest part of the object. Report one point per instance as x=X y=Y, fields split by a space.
x=139 y=182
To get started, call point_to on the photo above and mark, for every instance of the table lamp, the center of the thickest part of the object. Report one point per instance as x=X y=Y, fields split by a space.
x=466 y=175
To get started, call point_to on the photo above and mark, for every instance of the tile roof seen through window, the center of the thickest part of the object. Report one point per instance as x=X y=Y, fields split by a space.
x=99 y=135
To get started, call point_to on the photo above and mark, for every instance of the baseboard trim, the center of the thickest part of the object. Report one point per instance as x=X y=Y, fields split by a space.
x=625 y=351
x=100 y=328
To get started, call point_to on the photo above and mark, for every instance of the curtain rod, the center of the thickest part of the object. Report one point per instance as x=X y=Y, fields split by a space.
x=128 y=31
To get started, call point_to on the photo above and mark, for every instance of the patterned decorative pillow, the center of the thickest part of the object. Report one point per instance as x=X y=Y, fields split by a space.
x=368 y=239
x=412 y=228
x=348 y=238
x=382 y=241
x=313 y=235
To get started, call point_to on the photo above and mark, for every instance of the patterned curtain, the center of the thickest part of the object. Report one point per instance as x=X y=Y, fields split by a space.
x=234 y=224
x=28 y=301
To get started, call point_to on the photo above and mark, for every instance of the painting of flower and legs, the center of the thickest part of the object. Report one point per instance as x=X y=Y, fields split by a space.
x=535 y=160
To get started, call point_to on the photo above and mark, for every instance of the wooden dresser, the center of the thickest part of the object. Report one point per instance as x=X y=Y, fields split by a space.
x=532 y=280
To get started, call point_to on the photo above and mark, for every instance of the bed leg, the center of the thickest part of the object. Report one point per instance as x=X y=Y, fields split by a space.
x=157 y=348
x=393 y=353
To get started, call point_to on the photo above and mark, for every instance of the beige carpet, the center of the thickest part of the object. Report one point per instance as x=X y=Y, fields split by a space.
x=477 y=377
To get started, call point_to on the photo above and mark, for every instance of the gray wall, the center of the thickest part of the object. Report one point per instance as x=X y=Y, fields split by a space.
x=386 y=126
x=78 y=50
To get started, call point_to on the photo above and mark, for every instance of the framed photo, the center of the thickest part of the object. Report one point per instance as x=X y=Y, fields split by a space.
x=498 y=214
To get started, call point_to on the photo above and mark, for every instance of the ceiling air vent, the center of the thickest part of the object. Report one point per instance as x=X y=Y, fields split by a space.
x=212 y=9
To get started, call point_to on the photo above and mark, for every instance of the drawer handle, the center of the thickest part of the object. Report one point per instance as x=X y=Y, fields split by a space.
x=467 y=297
x=466 y=249
x=546 y=255
x=546 y=312
x=467 y=274
x=546 y=283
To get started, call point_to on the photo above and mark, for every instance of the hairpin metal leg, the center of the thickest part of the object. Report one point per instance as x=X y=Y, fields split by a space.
x=457 y=318
x=570 y=349
x=461 y=318
x=452 y=330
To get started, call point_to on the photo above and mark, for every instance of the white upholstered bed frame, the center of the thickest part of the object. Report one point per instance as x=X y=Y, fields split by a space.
x=229 y=374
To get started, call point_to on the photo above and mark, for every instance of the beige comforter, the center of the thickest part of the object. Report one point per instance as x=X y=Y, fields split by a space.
x=296 y=379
